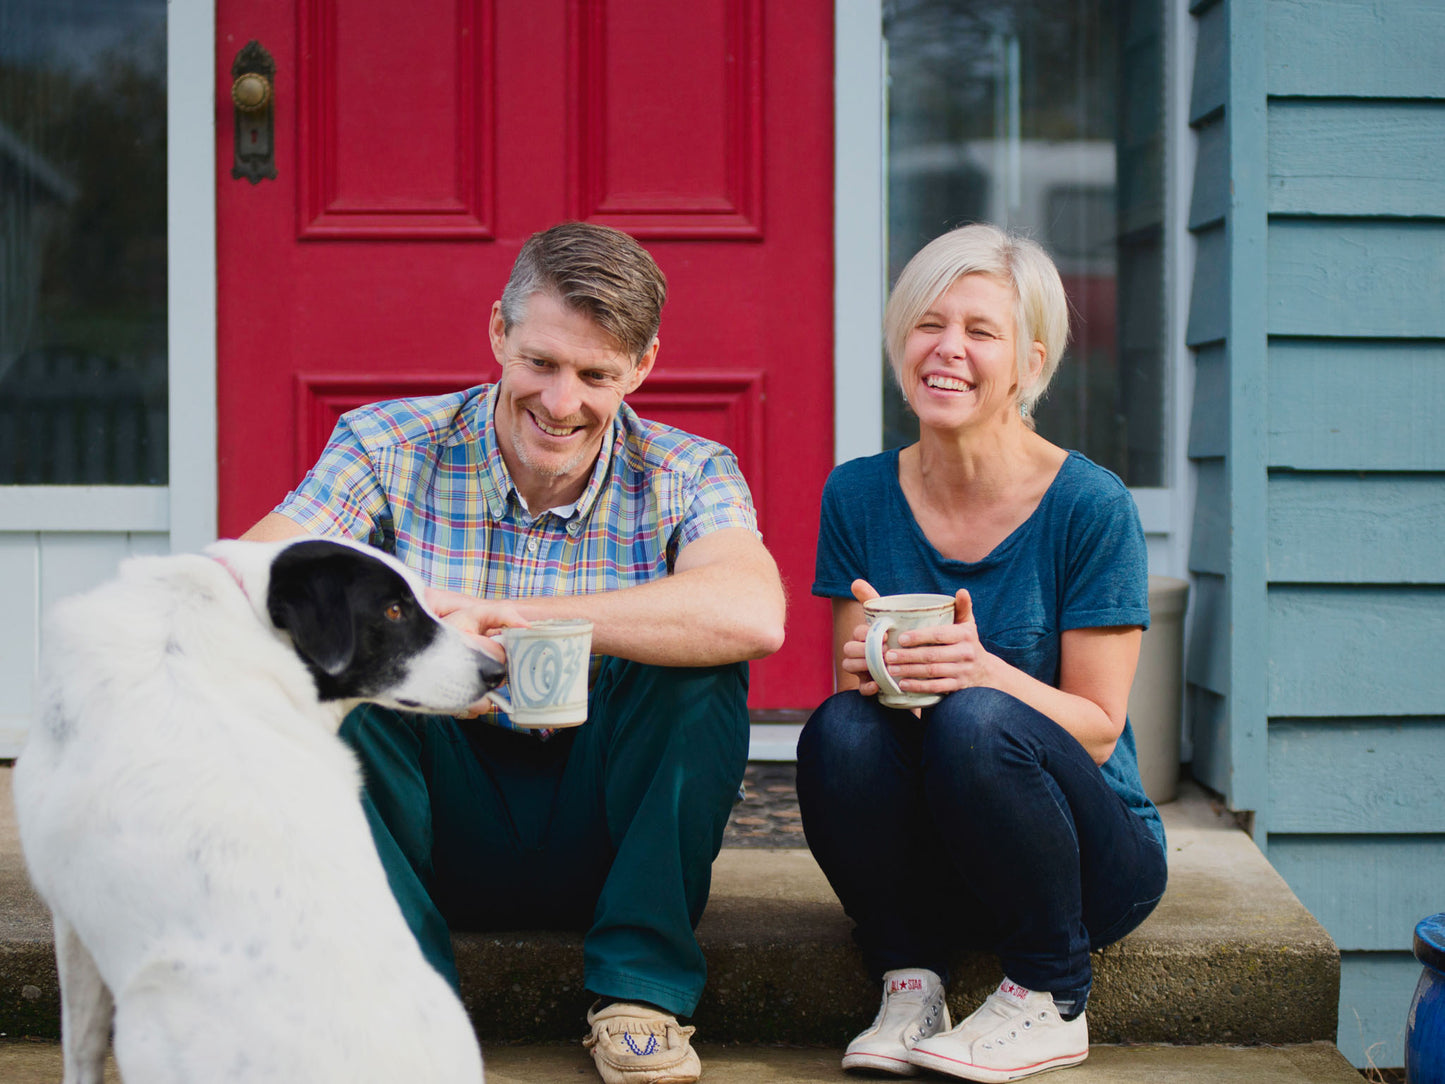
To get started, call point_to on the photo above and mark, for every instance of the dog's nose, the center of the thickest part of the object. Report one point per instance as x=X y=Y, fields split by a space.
x=492 y=671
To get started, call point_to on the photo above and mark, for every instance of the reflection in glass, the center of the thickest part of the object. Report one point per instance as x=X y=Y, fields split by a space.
x=82 y=242
x=1044 y=116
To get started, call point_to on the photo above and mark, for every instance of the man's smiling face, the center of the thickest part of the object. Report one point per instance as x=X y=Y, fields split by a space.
x=563 y=379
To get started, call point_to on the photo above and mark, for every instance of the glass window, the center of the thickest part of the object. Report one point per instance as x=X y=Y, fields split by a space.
x=82 y=242
x=1045 y=116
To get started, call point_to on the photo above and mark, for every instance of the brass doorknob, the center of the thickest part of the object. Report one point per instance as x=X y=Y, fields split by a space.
x=251 y=92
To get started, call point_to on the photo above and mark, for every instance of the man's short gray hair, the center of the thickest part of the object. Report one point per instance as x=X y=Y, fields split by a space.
x=597 y=271
x=1041 y=310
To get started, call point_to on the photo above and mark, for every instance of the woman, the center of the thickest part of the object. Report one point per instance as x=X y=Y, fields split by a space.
x=1009 y=816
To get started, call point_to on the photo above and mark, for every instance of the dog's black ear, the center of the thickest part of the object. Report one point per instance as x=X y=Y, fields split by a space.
x=307 y=597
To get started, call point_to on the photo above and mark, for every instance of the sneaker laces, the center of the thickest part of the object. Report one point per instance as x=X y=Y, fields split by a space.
x=1006 y=1008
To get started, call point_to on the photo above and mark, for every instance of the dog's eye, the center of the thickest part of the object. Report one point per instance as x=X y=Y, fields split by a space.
x=394 y=612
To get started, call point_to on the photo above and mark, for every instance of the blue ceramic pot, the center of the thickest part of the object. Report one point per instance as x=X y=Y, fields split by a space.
x=1425 y=1031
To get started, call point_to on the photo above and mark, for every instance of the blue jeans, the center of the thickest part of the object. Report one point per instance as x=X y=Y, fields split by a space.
x=610 y=827
x=982 y=825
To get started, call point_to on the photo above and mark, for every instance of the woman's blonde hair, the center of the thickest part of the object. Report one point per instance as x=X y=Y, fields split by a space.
x=1041 y=311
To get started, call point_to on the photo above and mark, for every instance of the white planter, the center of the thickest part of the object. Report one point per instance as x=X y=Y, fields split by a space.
x=1155 y=700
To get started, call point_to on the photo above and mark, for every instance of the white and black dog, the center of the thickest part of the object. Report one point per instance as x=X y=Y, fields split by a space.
x=193 y=821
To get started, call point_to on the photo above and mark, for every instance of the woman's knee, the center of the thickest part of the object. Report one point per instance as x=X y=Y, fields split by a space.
x=843 y=728
x=978 y=730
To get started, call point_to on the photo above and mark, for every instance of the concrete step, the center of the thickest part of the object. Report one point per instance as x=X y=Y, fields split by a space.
x=1229 y=957
x=1309 y=1063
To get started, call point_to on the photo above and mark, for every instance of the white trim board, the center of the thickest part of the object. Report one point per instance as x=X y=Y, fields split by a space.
x=90 y=509
x=191 y=266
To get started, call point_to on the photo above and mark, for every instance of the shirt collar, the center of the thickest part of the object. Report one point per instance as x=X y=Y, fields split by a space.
x=497 y=485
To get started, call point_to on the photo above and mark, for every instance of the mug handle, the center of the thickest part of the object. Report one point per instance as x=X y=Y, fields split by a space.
x=873 y=654
x=499 y=698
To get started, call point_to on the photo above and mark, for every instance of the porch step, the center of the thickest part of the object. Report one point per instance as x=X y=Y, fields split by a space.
x=1229 y=957
x=1308 y=1063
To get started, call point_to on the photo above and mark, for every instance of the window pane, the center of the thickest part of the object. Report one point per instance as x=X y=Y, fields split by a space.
x=1045 y=116
x=82 y=242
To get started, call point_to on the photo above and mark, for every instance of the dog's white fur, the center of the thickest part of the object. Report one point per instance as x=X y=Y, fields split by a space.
x=193 y=821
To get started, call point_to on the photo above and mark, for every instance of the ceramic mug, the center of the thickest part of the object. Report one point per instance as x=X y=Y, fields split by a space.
x=546 y=673
x=887 y=617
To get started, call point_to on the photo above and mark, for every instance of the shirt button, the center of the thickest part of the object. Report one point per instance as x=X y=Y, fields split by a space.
x=532 y=545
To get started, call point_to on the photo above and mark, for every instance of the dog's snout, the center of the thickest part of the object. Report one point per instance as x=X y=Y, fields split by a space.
x=492 y=670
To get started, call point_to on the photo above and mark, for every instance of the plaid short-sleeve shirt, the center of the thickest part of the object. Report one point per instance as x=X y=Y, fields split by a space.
x=424 y=479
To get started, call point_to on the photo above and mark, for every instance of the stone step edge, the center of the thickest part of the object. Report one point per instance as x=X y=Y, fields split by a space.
x=1230 y=955
x=1313 y=1063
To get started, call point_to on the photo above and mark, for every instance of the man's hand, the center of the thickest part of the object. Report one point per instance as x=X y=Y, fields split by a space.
x=479 y=619
x=483 y=617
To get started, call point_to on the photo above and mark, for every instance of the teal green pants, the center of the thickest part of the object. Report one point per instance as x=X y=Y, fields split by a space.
x=609 y=828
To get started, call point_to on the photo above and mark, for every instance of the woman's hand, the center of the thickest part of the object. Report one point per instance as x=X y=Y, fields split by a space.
x=851 y=651
x=928 y=660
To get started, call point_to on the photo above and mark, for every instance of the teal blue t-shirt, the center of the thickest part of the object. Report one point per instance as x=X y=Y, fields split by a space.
x=1079 y=561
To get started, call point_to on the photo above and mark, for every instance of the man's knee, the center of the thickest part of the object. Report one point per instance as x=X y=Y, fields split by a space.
x=637 y=701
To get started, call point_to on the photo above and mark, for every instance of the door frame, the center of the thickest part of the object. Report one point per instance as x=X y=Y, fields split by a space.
x=191 y=49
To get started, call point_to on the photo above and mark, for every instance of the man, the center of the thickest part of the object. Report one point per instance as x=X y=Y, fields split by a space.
x=544 y=495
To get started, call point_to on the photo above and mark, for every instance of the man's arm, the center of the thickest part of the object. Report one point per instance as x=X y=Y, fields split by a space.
x=273 y=527
x=723 y=603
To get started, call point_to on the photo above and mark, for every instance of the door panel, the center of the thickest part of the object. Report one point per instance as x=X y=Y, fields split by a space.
x=418 y=146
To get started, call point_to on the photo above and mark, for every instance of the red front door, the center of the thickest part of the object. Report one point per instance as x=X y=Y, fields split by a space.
x=418 y=145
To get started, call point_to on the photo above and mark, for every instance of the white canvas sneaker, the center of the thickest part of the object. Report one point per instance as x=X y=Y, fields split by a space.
x=1014 y=1034
x=913 y=1008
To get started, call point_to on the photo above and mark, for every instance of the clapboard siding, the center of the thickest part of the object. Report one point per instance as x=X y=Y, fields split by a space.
x=1317 y=313
x=20 y=573
x=1332 y=277
x=1355 y=651
x=1210 y=197
x=1356 y=48
x=1375 y=993
x=1356 y=528
x=1354 y=405
x=1359 y=776
x=1209 y=412
x=38 y=568
x=1209 y=719
x=1207 y=664
x=1210 y=85
x=1209 y=296
x=1209 y=539
x=1368 y=892
x=1356 y=158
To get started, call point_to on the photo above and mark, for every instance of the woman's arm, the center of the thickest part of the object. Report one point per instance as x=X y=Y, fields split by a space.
x=848 y=620
x=1096 y=669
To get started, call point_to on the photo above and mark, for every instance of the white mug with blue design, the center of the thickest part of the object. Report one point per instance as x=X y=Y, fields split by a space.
x=546 y=673
x=887 y=617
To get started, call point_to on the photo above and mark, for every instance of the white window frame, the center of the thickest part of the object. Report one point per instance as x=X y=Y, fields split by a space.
x=859 y=237
x=186 y=506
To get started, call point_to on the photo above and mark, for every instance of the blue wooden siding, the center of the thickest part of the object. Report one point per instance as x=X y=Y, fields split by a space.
x=1363 y=776
x=1375 y=992
x=1317 y=317
x=1315 y=419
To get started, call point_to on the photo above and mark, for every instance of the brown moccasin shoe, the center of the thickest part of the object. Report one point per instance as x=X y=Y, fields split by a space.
x=635 y=1044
